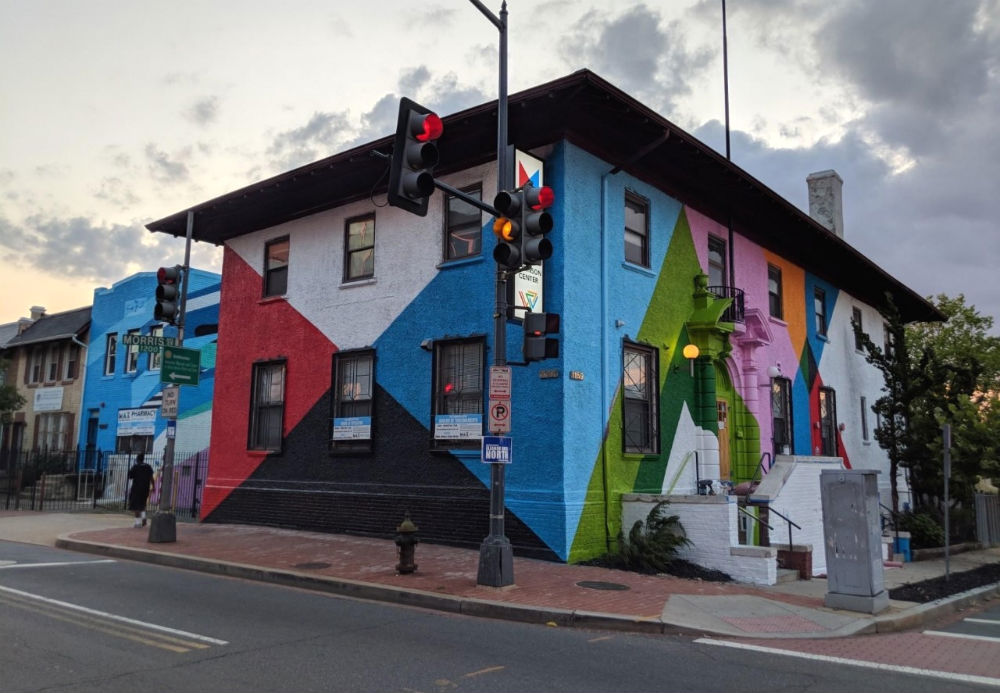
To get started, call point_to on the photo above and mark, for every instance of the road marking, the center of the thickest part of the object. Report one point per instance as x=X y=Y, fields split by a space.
x=603 y=637
x=114 y=617
x=94 y=624
x=54 y=565
x=991 y=621
x=963 y=636
x=487 y=670
x=896 y=668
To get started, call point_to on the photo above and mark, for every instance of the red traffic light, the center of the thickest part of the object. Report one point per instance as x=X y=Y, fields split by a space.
x=541 y=198
x=428 y=127
x=168 y=275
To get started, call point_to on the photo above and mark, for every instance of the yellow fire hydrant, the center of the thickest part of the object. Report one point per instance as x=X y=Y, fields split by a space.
x=406 y=540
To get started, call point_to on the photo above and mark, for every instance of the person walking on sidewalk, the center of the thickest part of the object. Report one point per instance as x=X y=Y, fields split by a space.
x=141 y=475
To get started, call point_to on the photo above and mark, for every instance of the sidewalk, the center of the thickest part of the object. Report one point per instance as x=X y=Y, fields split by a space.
x=544 y=592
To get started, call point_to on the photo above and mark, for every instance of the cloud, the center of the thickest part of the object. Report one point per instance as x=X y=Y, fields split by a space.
x=81 y=248
x=204 y=111
x=322 y=135
x=638 y=51
x=117 y=192
x=162 y=168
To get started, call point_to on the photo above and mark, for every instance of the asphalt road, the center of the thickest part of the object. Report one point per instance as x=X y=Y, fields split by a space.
x=74 y=622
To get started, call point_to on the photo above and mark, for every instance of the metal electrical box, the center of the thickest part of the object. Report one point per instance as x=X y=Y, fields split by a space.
x=853 y=540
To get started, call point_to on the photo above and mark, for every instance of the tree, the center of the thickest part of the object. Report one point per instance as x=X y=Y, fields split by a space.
x=10 y=400
x=937 y=373
x=904 y=382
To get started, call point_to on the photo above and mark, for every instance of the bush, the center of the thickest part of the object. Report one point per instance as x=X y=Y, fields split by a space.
x=652 y=545
x=925 y=531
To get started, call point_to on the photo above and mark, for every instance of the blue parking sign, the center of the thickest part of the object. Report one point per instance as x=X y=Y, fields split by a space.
x=497 y=450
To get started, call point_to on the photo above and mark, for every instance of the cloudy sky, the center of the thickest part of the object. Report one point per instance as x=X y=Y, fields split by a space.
x=117 y=113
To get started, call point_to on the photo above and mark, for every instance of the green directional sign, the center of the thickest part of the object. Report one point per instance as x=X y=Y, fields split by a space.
x=180 y=366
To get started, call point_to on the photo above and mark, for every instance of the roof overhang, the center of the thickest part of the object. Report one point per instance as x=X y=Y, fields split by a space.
x=594 y=115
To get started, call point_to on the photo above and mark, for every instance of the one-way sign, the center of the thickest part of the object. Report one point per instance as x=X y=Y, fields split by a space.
x=180 y=366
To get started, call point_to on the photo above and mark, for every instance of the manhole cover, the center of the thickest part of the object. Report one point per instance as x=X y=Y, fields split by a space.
x=311 y=566
x=598 y=585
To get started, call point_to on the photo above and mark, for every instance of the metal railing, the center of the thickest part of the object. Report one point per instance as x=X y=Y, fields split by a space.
x=790 y=525
x=736 y=311
x=81 y=480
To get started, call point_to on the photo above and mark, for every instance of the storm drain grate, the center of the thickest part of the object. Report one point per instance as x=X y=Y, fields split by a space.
x=311 y=566
x=598 y=585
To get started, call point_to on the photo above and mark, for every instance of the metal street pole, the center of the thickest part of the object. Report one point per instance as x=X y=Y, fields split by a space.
x=496 y=558
x=163 y=525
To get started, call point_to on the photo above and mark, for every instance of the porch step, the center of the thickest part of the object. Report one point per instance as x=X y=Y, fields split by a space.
x=787 y=575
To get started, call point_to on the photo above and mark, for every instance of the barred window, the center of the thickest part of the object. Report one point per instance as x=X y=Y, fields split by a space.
x=458 y=392
x=267 y=406
x=353 y=398
x=640 y=417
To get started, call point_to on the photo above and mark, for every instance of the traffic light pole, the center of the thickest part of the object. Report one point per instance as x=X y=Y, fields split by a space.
x=163 y=524
x=496 y=559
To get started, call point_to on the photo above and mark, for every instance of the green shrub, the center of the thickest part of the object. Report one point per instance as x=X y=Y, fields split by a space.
x=925 y=531
x=652 y=545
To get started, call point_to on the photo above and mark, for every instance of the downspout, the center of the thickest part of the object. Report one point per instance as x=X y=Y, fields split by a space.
x=82 y=365
x=605 y=347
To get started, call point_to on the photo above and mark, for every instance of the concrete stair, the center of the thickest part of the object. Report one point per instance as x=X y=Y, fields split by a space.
x=787 y=575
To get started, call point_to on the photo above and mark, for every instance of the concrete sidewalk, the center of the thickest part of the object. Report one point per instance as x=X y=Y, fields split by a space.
x=544 y=592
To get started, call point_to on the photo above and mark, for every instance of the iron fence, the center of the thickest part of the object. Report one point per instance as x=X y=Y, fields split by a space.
x=77 y=480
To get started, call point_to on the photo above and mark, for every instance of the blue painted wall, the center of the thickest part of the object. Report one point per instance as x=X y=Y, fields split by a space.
x=128 y=305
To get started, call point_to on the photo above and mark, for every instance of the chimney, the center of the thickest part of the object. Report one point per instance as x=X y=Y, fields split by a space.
x=37 y=312
x=826 y=200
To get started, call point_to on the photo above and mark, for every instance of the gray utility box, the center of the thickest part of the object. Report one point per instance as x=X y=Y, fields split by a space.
x=854 y=570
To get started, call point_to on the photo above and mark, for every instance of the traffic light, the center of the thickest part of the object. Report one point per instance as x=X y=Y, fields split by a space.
x=536 y=345
x=507 y=228
x=414 y=156
x=535 y=223
x=168 y=285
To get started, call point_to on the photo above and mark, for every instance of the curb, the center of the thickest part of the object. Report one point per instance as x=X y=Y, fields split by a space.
x=909 y=619
x=919 y=615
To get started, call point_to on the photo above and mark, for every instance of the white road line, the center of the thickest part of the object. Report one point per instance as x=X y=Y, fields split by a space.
x=963 y=636
x=991 y=621
x=896 y=668
x=114 y=617
x=54 y=565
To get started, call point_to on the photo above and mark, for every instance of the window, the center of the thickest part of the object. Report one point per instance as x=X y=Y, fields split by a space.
x=36 y=365
x=887 y=340
x=267 y=406
x=132 y=354
x=133 y=444
x=857 y=326
x=458 y=392
x=52 y=431
x=52 y=364
x=636 y=230
x=353 y=388
x=72 y=361
x=276 y=267
x=639 y=411
x=774 y=302
x=864 y=419
x=463 y=235
x=828 y=422
x=359 y=248
x=717 y=262
x=154 y=357
x=781 y=416
x=819 y=305
x=110 y=352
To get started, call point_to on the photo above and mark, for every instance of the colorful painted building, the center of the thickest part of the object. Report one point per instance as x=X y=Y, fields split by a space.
x=123 y=393
x=355 y=338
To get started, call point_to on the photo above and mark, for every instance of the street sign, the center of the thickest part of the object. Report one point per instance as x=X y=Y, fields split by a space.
x=180 y=366
x=499 y=416
x=147 y=343
x=499 y=382
x=497 y=450
x=168 y=410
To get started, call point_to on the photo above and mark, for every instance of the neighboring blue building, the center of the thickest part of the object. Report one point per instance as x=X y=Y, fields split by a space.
x=122 y=395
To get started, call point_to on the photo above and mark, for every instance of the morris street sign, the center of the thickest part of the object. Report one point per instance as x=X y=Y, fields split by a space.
x=147 y=343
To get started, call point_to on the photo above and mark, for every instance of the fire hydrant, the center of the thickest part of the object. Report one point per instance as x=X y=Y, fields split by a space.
x=406 y=540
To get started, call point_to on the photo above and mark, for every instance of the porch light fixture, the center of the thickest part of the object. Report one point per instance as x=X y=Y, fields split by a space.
x=691 y=352
x=774 y=371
